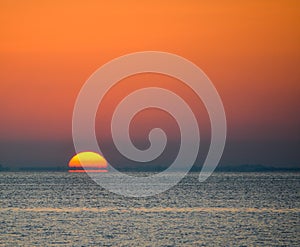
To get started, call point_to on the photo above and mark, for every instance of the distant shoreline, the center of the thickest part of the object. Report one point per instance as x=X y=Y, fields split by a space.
x=239 y=168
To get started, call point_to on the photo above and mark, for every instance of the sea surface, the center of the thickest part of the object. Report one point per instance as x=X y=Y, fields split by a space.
x=229 y=209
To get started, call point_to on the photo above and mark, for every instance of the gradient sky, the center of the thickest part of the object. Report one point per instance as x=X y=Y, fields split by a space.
x=249 y=49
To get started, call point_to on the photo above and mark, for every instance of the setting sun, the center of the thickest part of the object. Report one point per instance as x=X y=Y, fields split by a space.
x=87 y=161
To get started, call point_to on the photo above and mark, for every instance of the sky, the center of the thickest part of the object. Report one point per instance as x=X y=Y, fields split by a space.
x=249 y=49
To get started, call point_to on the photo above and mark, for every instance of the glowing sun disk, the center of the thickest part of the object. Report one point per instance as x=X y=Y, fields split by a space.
x=89 y=161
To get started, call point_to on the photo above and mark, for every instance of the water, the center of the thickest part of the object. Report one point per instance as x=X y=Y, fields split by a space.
x=229 y=209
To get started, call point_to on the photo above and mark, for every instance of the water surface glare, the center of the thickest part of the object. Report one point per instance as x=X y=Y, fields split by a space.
x=229 y=209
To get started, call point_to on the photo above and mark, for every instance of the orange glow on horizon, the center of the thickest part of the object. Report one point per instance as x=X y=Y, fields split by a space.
x=88 y=171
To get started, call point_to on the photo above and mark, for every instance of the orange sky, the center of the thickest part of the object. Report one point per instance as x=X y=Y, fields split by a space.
x=249 y=49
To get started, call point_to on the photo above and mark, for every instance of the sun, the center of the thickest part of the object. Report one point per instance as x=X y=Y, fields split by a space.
x=88 y=162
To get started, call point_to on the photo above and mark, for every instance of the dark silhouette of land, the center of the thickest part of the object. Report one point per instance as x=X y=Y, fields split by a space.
x=236 y=168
